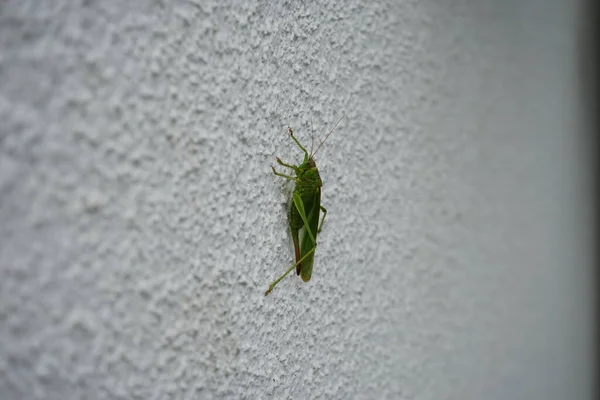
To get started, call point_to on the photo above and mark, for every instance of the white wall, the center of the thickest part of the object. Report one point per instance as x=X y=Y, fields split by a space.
x=140 y=222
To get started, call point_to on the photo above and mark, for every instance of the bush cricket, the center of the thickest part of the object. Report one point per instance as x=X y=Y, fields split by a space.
x=305 y=207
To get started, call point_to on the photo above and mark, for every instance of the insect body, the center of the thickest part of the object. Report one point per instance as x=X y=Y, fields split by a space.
x=304 y=211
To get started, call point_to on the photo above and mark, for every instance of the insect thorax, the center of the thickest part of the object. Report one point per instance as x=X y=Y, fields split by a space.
x=309 y=179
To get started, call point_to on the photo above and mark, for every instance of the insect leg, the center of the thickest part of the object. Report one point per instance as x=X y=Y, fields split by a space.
x=297 y=142
x=272 y=285
x=283 y=175
x=322 y=219
x=300 y=207
x=286 y=165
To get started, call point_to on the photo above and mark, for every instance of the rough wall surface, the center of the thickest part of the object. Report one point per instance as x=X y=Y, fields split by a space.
x=140 y=222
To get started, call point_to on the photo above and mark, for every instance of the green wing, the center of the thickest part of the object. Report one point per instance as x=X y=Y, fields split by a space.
x=309 y=208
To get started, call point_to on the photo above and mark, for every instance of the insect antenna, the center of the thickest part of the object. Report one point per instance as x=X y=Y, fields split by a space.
x=312 y=137
x=330 y=132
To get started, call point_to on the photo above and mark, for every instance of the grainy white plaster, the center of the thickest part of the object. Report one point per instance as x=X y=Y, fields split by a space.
x=140 y=222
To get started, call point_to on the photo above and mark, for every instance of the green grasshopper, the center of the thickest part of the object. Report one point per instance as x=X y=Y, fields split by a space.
x=304 y=210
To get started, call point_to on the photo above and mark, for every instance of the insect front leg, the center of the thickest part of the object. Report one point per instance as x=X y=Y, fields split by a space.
x=297 y=142
x=322 y=219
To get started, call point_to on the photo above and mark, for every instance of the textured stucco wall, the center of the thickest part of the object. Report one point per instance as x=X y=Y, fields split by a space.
x=140 y=222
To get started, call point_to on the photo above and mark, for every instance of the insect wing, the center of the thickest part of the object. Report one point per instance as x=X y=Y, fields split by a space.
x=309 y=236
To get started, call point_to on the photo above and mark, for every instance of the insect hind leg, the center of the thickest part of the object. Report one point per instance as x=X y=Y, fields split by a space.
x=322 y=219
x=272 y=285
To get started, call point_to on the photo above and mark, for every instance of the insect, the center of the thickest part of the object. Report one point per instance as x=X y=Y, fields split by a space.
x=305 y=207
